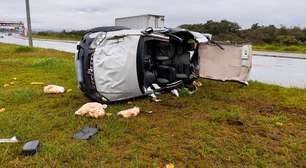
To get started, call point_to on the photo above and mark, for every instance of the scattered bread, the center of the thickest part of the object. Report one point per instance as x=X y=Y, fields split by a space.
x=54 y=89
x=133 y=112
x=2 y=110
x=93 y=109
x=37 y=83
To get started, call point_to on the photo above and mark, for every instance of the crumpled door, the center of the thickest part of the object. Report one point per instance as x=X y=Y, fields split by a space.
x=234 y=63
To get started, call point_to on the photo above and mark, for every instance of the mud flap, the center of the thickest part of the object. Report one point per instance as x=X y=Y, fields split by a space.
x=234 y=63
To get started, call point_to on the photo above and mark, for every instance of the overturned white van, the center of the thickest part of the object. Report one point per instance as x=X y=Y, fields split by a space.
x=116 y=63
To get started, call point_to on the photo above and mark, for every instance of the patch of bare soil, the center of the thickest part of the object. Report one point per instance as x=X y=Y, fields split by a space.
x=268 y=108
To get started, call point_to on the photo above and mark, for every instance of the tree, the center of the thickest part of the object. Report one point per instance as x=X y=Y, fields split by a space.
x=255 y=26
x=214 y=28
x=287 y=39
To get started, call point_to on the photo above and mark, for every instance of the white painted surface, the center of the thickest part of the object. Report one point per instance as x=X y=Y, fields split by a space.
x=141 y=22
x=231 y=64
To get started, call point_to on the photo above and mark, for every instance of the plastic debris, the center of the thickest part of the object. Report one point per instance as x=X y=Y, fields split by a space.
x=193 y=91
x=30 y=148
x=93 y=109
x=149 y=91
x=12 y=83
x=9 y=140
x=155 y=99
x=69 y=90
x=37 y=83
x=15 y=78
x=54 y=89
x=149 y=112
x=85 y=133
x=197 y=83
x=6 y=85
x=279 y=124
x=170 y=165
x=109 y=114
x=133 y=112
x=156 y=86
x=175 y=92
x=2 y=110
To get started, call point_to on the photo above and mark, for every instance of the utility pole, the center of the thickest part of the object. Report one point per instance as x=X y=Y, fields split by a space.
x=29 y=23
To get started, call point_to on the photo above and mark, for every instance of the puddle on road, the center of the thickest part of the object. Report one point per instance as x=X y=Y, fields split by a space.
x=282 y=71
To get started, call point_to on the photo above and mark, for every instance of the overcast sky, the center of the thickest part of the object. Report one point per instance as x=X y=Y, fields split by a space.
x=84 y=14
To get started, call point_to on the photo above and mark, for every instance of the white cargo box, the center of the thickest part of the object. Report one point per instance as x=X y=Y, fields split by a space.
x=234 y=63
x=141 y=21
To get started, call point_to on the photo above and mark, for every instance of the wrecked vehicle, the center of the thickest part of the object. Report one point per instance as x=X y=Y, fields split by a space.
x=117 y=63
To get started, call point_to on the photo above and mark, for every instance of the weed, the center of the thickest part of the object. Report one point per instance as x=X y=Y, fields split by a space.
x=24 y=49
x=281 y=48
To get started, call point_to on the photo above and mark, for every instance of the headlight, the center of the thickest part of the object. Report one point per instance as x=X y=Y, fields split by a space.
x=98 y=39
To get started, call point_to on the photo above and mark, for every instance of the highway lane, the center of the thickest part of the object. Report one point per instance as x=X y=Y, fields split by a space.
x=50 y=44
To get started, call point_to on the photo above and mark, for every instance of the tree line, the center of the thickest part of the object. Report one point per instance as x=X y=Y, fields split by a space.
x=225 y=30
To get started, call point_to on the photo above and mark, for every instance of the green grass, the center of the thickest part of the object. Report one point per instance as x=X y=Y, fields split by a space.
x=222 y=125
x=281 y=48
x=21 y=49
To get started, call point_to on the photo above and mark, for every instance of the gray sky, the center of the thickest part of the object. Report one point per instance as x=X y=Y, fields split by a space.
x=81 y=14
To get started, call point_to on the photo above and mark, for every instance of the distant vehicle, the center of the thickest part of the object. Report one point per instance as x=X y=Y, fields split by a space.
x=117 y=63
x=141 y=21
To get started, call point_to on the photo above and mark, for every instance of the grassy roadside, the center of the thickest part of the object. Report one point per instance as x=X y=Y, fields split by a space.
x=222 y=125
x=58 y=37
x=280 y=48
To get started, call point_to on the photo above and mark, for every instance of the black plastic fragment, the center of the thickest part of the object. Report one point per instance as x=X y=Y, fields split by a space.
x=85 y=133
x=30 y=148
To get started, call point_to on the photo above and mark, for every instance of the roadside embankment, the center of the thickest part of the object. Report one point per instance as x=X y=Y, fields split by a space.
x=279 y=54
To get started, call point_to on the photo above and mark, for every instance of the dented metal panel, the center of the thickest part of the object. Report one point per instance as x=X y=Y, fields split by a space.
x=231 y=64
